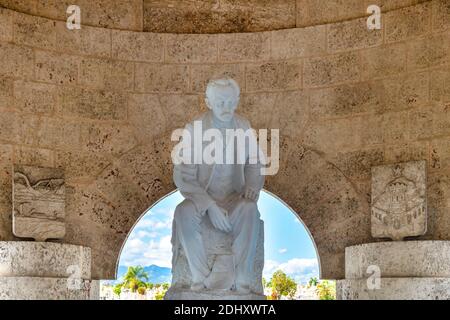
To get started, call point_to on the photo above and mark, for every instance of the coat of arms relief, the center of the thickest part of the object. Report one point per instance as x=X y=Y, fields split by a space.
x=38 y=203
x=399 y=205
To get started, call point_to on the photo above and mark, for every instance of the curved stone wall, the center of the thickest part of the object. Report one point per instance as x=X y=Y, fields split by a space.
x=102 y=104
x=206 y=16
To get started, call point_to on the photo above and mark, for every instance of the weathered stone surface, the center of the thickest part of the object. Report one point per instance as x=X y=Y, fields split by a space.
x=407 y=23
x=107 y=74
x=6 y=25
x=6 y=92
x=440 y=153
x=137 y=46
x=33 y=156
x=52 y=132
x=173 y=78
x=150 y=168
x=56 y=68
x=44 y=259
x=34 y=31
x=399 y=207
x=323 y=135
x=395 y=289
x=440 y=85
x=346 y=100
x=92 y=104
x=289 y=106
x=406 y=91
x=313 y=12
x=146 y=115
x=297 y=43
x=37 y=98
x=211 y=17
x=441 y=14
x=383 y=61
x=331 y=70
x=17 y=61
x=78 y=165
x=32 y=288
x=433 y=120
x=274 y=76
x=244 y=47
x=389 y=5
x=410 y=152
x=114 y=14
x=180 y=109
x=352 y=34
x=414 y=259
x=85 y=41
x=38 y=203
x=106 y=137
x=258 y=108
x=430 y=51
x=357 y=165
x=191 y=48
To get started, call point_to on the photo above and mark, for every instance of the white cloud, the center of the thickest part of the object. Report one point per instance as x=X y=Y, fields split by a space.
x=145 y=234
x=168 y=212
x=152 y=225
x=282 y=250
x=138 y=252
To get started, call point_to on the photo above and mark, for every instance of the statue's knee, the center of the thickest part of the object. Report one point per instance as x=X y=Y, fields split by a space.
x=250 y=207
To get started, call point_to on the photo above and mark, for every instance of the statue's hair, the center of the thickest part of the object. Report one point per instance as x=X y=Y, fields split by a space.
x=221 y=83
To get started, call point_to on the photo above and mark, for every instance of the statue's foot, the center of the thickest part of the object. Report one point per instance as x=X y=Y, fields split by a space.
x=198 y=286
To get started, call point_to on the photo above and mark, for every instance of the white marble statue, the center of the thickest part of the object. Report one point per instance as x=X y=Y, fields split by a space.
x=226 y=193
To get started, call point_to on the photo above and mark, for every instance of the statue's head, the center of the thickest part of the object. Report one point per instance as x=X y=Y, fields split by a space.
x=222 y=97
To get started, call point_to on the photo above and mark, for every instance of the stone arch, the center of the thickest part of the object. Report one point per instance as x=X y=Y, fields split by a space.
x=172 y=192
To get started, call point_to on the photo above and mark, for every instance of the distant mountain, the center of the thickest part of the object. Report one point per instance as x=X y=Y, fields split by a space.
x=156 y=274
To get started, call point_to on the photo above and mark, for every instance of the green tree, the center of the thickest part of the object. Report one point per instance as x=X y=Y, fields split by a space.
x=282 y=285
x=117 y=289
x=313 y=282
x=165 y=286
x=135 y=278
x=149 y=285
x=326 y=290
x=141 y=290
x=160 y=295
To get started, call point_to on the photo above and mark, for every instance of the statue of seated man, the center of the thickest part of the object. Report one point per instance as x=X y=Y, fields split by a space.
x=226 y=192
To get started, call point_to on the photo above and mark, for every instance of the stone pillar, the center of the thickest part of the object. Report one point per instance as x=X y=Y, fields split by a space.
x=406 y=270
x=46 y=271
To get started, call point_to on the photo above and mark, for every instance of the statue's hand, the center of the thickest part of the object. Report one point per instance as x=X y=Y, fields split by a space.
x=219 y=218
x=251 y=194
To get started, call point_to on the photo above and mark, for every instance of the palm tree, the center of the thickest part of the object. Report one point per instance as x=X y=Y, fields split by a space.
x=313 y=282
x=135 y=278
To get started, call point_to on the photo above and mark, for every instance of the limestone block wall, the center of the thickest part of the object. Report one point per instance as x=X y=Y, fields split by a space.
x=102 y=104
x=206 y=16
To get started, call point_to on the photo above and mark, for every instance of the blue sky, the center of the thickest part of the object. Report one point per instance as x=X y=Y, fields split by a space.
x=287 y=243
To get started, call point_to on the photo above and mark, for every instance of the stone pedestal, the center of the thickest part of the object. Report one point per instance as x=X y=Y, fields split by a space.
x=404 y=270
x=220 y=259
x=46 y=271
